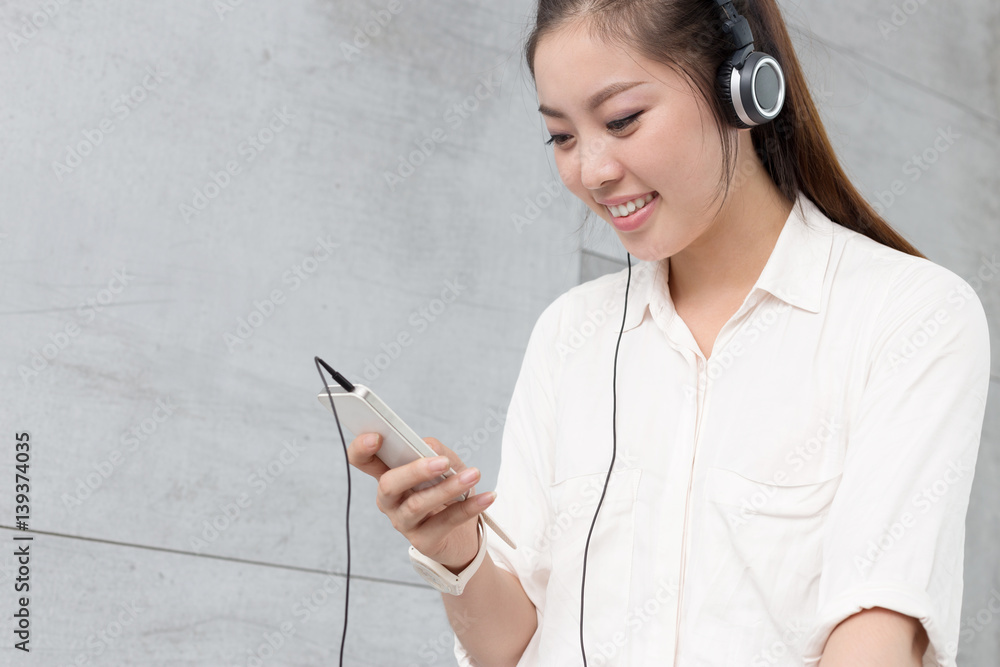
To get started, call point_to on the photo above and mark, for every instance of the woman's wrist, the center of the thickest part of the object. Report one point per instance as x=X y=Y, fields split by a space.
x=449 y=579
x=456 y=566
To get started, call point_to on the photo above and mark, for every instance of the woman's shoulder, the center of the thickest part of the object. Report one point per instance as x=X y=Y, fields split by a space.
x=907 y=282
x=911 y=296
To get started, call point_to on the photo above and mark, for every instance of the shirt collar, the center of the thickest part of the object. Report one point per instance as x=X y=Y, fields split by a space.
x=794 y=272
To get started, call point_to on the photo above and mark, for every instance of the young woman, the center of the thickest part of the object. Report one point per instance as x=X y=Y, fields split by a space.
x=779 y=426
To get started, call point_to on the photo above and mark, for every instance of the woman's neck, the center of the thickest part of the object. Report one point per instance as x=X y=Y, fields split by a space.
x=726 y=260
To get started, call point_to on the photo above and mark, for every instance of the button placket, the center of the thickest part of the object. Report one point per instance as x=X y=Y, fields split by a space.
x=700 y=397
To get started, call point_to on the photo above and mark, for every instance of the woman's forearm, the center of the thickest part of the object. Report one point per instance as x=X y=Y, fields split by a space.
x=493 y=617
x=878 y=638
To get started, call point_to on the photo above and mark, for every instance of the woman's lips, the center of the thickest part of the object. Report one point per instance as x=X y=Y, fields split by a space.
x=636 y=217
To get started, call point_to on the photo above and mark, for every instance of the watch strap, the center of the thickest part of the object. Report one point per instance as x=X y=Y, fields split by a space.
x=440 y=577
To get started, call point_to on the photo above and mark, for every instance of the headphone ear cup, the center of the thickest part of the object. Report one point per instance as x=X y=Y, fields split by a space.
x=723 y=86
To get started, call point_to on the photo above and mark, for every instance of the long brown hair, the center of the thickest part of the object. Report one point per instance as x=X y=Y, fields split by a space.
x=687 y=35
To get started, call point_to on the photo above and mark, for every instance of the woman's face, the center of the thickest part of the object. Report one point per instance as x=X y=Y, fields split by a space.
x=628 y=129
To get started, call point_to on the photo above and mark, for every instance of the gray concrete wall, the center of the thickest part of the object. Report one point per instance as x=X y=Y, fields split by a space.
x=195 y=203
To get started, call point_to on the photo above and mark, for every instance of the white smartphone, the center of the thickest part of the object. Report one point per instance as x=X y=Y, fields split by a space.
x=360 y=410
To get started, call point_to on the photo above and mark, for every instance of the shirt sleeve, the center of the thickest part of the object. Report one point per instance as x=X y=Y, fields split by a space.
x=895 y=532
x=522 y=506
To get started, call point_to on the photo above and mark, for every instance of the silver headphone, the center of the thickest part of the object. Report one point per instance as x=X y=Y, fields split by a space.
x=751 y=84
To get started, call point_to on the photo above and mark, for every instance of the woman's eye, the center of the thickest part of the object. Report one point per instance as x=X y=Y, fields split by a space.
x=622 y=124
x=615 y=126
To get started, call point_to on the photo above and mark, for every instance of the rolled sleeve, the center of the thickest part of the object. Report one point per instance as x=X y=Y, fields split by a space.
x=894 y=536
x=522 y=504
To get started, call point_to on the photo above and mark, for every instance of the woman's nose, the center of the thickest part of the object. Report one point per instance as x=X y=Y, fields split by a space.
x=598 y=165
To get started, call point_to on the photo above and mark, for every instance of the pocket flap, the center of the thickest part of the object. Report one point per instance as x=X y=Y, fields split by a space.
x=754 y=497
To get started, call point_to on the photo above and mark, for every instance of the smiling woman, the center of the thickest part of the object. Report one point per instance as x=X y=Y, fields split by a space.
x=609 y=146
x=701 y=510
x=668 y=54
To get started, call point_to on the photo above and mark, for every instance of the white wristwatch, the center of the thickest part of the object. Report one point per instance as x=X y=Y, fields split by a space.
x=443 y=579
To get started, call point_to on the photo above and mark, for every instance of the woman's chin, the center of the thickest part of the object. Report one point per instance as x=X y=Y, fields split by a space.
x=640 y=251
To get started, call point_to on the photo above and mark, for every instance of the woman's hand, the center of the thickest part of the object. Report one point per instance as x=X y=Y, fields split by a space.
x=503 y=619
x=435 y=525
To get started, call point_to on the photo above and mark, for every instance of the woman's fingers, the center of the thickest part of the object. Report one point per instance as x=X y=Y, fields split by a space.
x=415 y=508
x=394 y=483
x=361 y=454
x=456 y=463
x=438 y=531
x=431 y=518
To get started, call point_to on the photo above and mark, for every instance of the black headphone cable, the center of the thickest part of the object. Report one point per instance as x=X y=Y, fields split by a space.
x=342 y=381
x=614 y=453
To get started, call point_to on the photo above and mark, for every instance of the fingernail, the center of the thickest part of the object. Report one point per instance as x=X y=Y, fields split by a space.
x=371 y=440
x=438 y=464
x=485 y=499
x=468 y=476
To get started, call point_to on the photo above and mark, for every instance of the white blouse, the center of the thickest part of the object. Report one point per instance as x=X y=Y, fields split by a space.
x=817 y=464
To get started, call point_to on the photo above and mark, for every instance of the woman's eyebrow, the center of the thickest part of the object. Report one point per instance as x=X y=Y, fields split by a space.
x=596 y=100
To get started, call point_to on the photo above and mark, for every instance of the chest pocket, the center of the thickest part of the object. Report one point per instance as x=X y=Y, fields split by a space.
x=609 y=568
x=754 y=498
x=764 y=545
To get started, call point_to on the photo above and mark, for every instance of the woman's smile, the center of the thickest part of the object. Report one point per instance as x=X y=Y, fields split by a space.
x=633 y=213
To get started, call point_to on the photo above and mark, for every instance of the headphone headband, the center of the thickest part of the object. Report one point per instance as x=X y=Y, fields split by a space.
x=738 y=30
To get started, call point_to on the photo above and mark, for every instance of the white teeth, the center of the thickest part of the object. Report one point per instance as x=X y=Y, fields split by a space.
x=629 y=207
